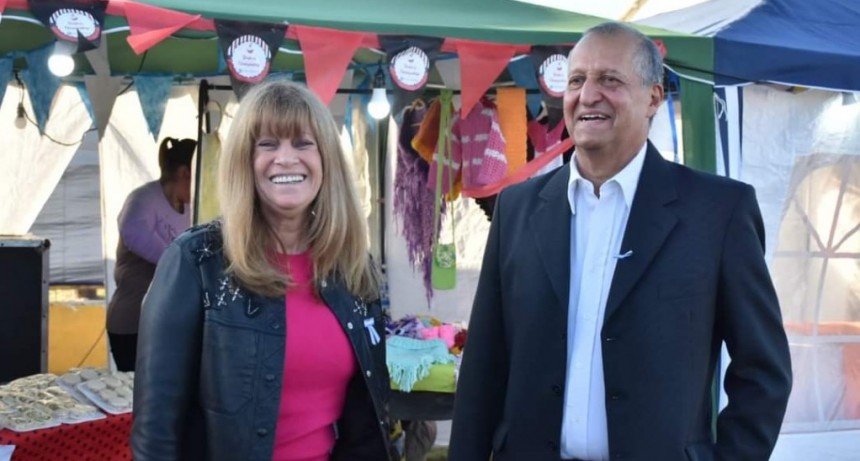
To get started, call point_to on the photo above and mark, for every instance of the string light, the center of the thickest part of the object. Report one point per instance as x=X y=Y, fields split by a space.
x=61 y=62
x=379 y=107
x=21 y=119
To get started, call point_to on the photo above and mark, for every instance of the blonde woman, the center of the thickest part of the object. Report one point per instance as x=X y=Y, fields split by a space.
x=262 y=337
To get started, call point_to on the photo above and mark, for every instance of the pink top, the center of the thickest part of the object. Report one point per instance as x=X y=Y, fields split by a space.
x=318 y=365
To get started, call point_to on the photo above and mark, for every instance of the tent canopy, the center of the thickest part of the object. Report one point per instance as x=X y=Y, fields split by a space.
x=795 y=42
x=196 y=53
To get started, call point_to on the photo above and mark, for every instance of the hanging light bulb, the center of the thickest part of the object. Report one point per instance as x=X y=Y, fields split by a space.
x=61 y=62
x=21 y=119
x=379 y=107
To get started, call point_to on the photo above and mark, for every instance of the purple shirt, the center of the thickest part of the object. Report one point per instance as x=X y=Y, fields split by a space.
x=147 y=224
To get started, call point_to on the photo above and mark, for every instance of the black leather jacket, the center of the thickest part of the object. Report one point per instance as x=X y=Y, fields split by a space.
x=211 y=356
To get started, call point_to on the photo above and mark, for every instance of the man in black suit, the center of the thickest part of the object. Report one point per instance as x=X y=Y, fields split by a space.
x=607 y=289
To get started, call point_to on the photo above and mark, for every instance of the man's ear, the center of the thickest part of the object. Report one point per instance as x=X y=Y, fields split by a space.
x=656 y=95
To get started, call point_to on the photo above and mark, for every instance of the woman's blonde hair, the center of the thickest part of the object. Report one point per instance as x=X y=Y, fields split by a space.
x=335 y=229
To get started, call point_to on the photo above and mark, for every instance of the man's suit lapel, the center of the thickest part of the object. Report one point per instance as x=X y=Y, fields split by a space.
x=648 y=226
x=550 y=225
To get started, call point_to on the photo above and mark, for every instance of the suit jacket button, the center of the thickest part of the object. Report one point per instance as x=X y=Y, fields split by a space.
x=270 y=378
x=609 y=339
x=276 y=326
x=552 y=446
x=556 y=389
x=262 y=432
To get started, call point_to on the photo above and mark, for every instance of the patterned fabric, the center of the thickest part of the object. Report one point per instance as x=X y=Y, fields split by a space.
x=100 y=440
x=479 y=146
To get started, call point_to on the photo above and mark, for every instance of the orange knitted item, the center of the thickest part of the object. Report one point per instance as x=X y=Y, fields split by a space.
x=425 y=140
x=511 y=103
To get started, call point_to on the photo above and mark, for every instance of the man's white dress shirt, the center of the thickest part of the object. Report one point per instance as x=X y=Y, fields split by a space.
x=597 y=228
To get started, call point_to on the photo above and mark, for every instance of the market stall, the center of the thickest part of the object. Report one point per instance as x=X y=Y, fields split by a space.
x=84 y=414
x=142 y=82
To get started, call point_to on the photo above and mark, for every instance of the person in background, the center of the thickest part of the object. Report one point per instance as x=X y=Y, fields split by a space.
x=607 y=289
x=262 y=336
x=153 y=215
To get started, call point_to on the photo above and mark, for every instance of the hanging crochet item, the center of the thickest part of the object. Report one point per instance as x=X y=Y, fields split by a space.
x=511 y=103
x=412 y=204
x=443 y=274
x=479 y=146
x=424 y=142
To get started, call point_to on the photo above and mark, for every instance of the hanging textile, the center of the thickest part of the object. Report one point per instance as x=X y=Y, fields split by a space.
x=512 y=118
x=412 y=203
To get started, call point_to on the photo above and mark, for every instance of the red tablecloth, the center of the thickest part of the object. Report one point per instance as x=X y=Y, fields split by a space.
x=102 y=440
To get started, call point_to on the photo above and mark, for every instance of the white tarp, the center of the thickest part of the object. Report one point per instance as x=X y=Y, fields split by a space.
x=71 y=220
x=704 y=19
x=32 y=163
x=802 y=154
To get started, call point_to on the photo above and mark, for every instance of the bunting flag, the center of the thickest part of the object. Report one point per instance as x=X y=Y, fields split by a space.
x=5 y=75
x=153 y=91
x=2 y=7
x=248 y=49
x=550 y=65
x=41 y=84
x=480 y=65
x=327 y=53
x=409 y=61
x=78 y=21
x=661 y=47
x=150 y=24
x=102 y=91
x=98 y=59
x=338 y=103
x=523 y=73
x=449 y=70
x=85 y=98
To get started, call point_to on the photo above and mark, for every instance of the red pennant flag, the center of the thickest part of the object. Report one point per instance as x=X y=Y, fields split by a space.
x=151 y=24
x=2 y=6
x=661 y=46
x=327 y=52
x=480 y=65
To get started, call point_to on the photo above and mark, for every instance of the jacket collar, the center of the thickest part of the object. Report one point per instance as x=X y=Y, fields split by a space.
x=649 y=224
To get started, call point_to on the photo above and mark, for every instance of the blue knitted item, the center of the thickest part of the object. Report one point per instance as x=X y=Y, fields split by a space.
x=409 y=360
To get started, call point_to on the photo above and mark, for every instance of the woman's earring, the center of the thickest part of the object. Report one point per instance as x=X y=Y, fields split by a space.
x=314 y=213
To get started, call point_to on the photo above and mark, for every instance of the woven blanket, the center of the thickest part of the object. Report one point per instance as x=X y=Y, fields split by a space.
x=409 y=360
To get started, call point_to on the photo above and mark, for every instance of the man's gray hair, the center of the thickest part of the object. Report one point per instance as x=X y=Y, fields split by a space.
x=646 y=59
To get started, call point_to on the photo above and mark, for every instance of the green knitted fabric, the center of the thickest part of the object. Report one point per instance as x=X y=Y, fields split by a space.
x=409 y=360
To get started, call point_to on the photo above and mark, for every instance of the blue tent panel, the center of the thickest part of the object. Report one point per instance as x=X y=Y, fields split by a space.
x=793 y=41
